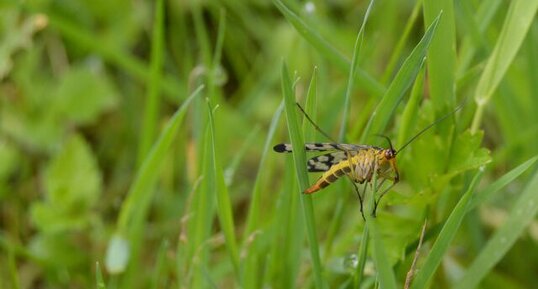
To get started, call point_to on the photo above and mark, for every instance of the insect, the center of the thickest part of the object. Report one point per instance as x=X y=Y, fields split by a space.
x=358 y=162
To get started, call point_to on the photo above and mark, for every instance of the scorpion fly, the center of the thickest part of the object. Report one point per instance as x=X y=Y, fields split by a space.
x=358 y=162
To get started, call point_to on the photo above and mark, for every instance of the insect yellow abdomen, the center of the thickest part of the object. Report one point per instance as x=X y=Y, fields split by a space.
x=360 y=168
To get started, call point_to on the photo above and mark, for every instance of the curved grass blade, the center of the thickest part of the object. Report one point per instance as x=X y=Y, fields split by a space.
x=151 y=105
x=134 y=208
x=323 y=46
x=478 y=198
x=125 y=61
x=519 y=17
x=522 y=214
x=446 y=236
x=489 y=191
x=441 y=61
x=398 y=49
x=402 y=81
x=352 y=71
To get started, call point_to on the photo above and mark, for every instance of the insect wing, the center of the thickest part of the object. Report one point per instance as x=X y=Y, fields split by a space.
x=324 y=162
x=286 y=148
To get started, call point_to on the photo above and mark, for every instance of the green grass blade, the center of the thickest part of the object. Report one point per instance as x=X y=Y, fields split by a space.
x=385 y=274
x=254 y=208
x=325 y=49
x=446 y=236
x=402 y=40
x=151 y=105
x=123 y=60
x=483 y=18
x=224 y=206
x=490 y=190
x=441 y=59
x=519 y=17
x=352 y=71
x=311 y=103
x=160 y=266
x=409 y=114
x=99 y=282
x=522 y=214
x=139 y=196
x=199 y=228
x=299 y=158
x=485 y=194
x=402 y=81
x=361 y=257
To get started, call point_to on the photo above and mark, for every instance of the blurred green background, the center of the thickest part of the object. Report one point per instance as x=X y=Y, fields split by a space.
x=136 y=143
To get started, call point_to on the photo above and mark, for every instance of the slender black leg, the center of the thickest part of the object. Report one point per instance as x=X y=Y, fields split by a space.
x=376 y=202
x=360 y=197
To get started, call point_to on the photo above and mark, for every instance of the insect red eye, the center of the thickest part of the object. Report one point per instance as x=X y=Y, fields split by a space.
x=389 y=154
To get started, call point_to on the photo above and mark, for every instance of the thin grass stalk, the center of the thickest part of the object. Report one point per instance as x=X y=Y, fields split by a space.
x=299 y=158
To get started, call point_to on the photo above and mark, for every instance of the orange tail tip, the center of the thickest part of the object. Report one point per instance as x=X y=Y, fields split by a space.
x=312 y=189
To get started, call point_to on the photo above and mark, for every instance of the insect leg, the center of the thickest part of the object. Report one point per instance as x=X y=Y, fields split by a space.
x=376 y=202
x=360 y=196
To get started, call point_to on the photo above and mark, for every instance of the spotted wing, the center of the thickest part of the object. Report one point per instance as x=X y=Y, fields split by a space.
x=324 y=162
x=287 y=148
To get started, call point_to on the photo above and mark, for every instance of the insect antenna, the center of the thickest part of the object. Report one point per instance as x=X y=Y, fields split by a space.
x=431 y=125
x=314 y=124
x=388 y=140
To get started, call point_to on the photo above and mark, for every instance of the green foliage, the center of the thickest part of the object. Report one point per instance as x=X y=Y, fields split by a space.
x=72 y=185
x=117 y=170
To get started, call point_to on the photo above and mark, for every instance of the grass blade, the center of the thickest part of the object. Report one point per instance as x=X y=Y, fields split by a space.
x=325 y=49
x=478 y=198
x=151 y=105
x=521 y=215
x=121 y=59
x=398 y=49
x=224 y=206
x=160 y=266
x=139 y=196
x=489 y=191
x=385 y=274
x=403 y=80
x=299 y=158
x=99 y=282
x=352 y=71
x=254 y=208
x=446 y=236
x=442 y=59
x=519 y=17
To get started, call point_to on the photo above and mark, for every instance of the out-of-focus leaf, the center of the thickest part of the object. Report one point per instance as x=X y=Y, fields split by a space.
x=467 y=153
x=9 y=157
x=57 y=250
x=16 y=35
x=84 y=94
x=72 y=183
